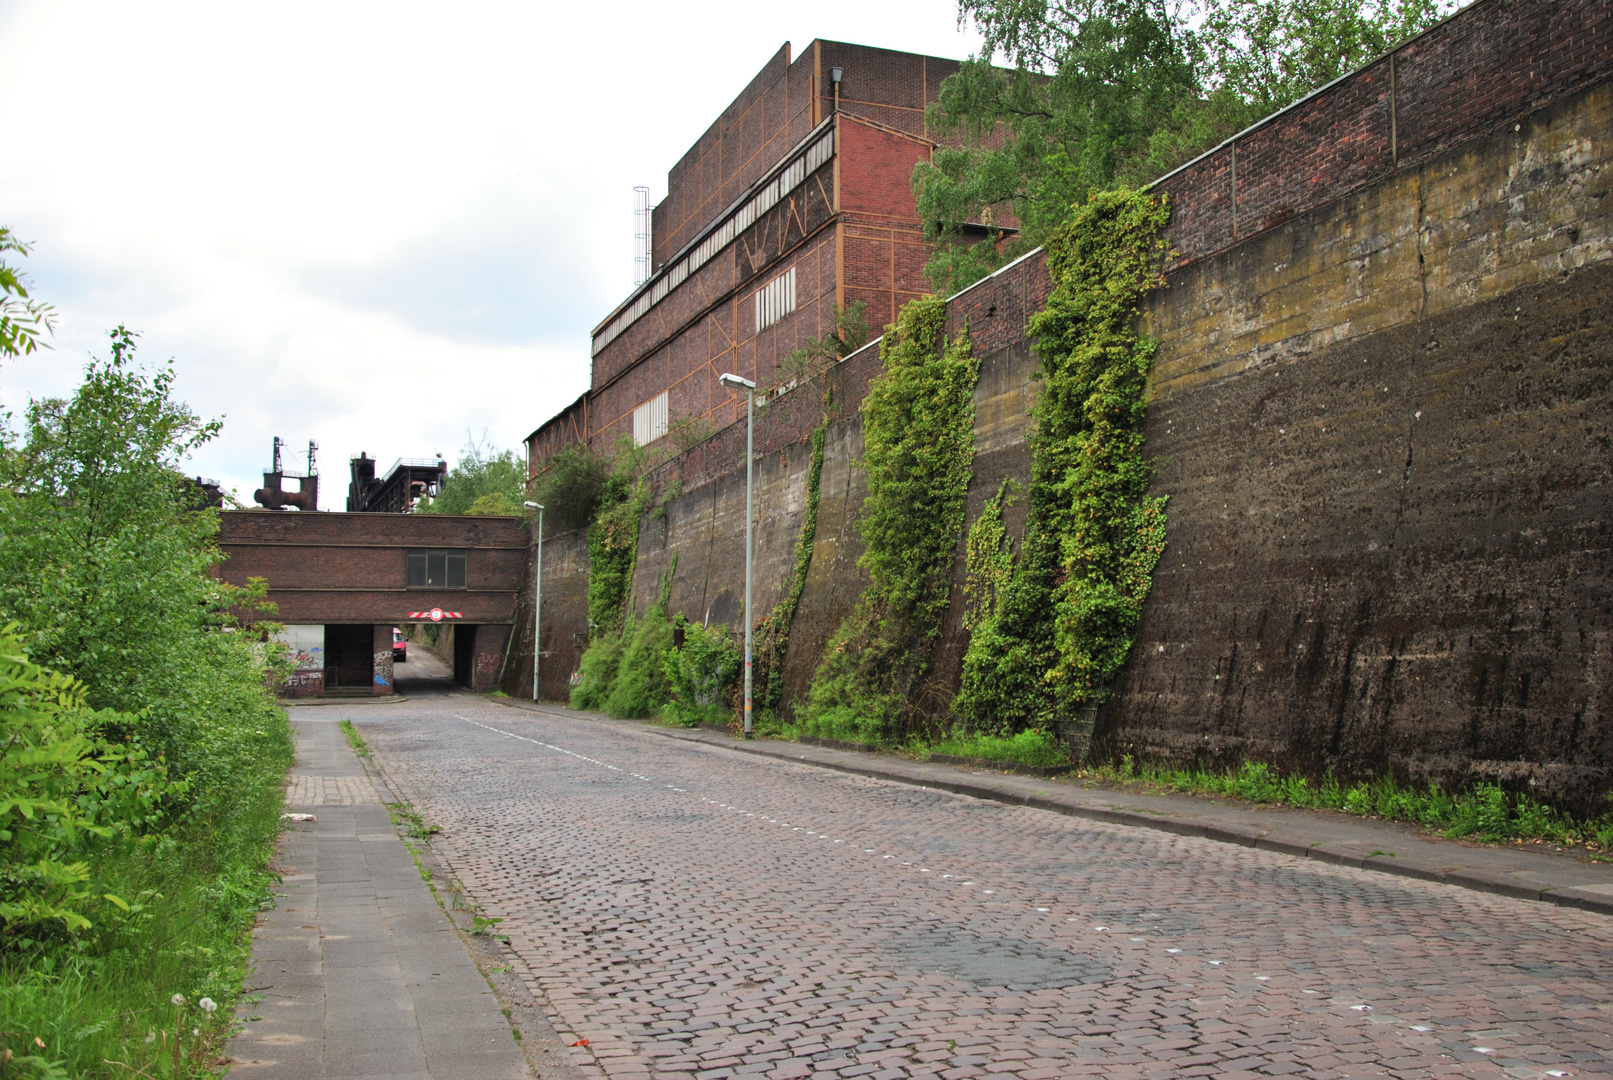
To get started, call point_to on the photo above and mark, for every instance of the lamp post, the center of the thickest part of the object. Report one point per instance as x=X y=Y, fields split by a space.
x=537 y=599
x=735 y=382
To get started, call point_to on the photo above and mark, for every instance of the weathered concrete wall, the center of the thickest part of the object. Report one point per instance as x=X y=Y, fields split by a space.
x=1386 y=429
x=1383 y=422
x=565 y=619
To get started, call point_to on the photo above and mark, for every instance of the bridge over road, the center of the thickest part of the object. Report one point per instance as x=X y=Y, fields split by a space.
x=341 y=582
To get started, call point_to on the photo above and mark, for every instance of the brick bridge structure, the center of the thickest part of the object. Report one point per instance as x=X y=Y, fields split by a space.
x=341 y=582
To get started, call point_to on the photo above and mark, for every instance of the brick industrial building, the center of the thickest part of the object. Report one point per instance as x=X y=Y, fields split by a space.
x=341 y=582
x=797 y=199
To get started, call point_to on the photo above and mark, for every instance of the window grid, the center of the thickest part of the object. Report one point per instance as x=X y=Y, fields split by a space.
x=650 y=420
x=775 y=300
x=436 y=568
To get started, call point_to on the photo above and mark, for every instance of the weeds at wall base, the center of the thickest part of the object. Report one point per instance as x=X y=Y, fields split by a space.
x=1486 y=812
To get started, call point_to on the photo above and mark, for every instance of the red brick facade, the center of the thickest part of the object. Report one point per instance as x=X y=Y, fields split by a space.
x=848 y=231
x=851 y=234
x=1481 y=69
x=350 y=568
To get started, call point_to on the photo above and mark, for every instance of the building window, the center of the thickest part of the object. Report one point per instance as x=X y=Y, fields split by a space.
x=650 y=420
x=436 y=568
x=775 y=300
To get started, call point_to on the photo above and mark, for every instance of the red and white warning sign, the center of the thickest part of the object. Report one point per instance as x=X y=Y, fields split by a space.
x=436 y=614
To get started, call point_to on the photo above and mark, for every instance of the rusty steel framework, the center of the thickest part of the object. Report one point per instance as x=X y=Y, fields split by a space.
x=273 y=495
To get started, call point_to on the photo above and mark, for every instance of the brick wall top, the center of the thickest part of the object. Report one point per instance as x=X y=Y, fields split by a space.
x=1486 y=66
x=774 y=112
x=759 y=127
x=370 y=530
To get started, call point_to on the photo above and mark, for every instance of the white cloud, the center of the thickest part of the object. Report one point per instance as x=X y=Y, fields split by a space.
x=374 y=225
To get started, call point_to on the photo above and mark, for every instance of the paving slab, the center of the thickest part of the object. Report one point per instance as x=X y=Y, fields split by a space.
x=359 y=971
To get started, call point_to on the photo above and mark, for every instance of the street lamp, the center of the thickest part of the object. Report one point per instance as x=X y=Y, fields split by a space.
x=735 y=382
x=537 y=598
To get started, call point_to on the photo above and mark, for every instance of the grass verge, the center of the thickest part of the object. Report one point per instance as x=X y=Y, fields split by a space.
x=1484 y=812
x=103 y=1006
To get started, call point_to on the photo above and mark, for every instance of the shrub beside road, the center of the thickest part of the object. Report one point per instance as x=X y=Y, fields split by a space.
x=142 y=756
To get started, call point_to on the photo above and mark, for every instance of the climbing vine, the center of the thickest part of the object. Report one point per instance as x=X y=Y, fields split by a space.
x=918 y=444
x=613 y=546
x=773 y=631
x=1063 y=625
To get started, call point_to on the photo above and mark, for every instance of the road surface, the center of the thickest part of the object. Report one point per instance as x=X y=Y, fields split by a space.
x=694 y=912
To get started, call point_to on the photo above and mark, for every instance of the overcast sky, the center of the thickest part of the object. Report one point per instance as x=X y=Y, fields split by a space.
x=378 y=226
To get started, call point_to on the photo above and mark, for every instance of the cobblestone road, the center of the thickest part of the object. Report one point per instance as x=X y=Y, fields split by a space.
x=695 y=912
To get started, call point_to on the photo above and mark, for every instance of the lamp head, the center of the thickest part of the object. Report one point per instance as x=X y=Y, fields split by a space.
x=736 y=382
x=835 y=74
x=533 y=505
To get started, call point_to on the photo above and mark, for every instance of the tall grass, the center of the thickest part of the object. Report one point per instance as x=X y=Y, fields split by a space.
x=1485 y=811
x=107 y=998
x=1026 y=748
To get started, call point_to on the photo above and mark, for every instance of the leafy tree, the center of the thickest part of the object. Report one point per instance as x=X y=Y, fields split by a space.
x=1113 y=93
x=22 y=317
x=486 y=481
x=571 y=486
x=108 y=568
x=1270 y=53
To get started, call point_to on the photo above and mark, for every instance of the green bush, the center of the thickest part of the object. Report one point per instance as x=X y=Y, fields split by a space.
x=143 y=759
x=66 y=795
x=702 y=674
x=570 y=488
x=597 y=669
x=641 y=686
x=107 y=566
x=486 y=480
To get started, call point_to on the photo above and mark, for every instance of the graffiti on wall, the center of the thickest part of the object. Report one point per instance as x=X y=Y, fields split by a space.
x=383 y=668
x=302 y=683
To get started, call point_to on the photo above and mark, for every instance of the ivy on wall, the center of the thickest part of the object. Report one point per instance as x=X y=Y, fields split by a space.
x=773 y=630
x=613 y=549
x=918 y=439
x=1062 y=625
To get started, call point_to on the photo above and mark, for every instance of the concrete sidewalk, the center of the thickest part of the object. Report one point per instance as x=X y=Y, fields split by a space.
x=1522 y=871
x=360 y=972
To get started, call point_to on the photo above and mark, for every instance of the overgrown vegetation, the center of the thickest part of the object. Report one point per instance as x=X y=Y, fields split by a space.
x=570 y=488
x=140 y=784
x=354 y=739
x=702 y=675
x=1052 y=636
x=486 y=480
x=1485 y=812
x=613 y=541
x=1103 y=94
x=641 y=686
x=918 y=438
x=1034 y=747
x=848 y=334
